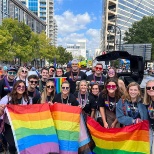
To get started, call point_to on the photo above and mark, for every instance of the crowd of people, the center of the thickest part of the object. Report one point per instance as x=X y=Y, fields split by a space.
x=105 y=98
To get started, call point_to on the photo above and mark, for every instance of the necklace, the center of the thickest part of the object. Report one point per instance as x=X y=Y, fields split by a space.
x=80 y=100
x=111 y=105
x=74 y=79
x=66 y=98
x=95 y=78
x=151 y=110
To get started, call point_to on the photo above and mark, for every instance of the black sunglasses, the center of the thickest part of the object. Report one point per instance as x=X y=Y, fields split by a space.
x=24 y=71
x=52 y=87
x=33 y=82
x=67 y=88
x=149 y=88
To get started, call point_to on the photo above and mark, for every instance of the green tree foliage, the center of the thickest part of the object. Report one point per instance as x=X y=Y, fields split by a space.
x=141 y=32
x=80 y=58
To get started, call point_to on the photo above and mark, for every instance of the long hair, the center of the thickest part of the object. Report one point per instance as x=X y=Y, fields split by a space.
x=147 y=98
x=78 y=83
x=115 y=76
x=20 y=70
x=44 y=93
x=117 y=92
x=126 y=95
x=13 y=95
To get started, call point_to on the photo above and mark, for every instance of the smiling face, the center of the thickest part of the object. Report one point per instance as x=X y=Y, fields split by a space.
x=50 y=86
x=111 y=87
x=134 y=92
x=111 y=73
x=23 y=72
x=21 y=88
x=150 y=88
x=59 y=72
x=65 y=88
x=95 y=89
x=83 y=86
x=98 y=69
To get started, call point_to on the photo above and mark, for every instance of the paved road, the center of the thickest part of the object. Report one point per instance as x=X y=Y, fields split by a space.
x=145 y=79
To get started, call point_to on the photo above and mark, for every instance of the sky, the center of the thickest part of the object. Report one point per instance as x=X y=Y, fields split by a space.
x=78 y=19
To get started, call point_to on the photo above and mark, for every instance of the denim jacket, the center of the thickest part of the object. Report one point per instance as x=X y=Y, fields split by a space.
x=123 y=118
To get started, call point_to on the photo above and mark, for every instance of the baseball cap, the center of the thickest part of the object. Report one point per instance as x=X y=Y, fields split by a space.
x=68 y=65
x=74 y=61
x=11 y=68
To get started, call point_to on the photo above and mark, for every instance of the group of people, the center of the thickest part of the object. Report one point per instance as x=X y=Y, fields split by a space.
x=105 y=98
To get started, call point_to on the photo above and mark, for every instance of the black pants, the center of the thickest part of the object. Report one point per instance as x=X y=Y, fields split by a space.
x=8 y=135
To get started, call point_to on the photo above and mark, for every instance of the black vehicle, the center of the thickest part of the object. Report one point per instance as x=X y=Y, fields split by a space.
x=136 y=65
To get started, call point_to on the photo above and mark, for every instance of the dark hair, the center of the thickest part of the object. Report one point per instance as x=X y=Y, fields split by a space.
x=61 y=69
x=44 y=68
x=13 y=94
x=118 y=94
x=52 y=67
x=99 y=64
x=33 y=77
x=94 y=84
x=115 y=76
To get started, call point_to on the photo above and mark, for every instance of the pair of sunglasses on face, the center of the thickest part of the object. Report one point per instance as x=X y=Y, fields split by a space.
x=51 y=87
x=33 y=82
x=150 y=88
x=19 y=87
x=99 y=68
x=24 y=71
x=67 y=88
x=11 y=73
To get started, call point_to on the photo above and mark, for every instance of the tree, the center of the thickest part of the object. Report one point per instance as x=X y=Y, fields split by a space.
x=80 y=58
x=141 y=32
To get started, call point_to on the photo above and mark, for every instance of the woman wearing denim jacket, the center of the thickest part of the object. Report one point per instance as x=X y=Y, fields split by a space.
x=130 y=109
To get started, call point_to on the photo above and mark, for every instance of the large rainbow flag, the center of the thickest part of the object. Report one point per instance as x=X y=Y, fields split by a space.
x=67 y=123
x=132 y=139
x=33 y=128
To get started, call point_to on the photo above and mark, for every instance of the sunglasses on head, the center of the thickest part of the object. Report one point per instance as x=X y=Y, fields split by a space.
x=12 y=73
x=99 y=68
x=67 y=88
x=52 y=87
x=35 y=82
x=111 y=86
x=149 y=88
x=24 y=71
x=21 y=87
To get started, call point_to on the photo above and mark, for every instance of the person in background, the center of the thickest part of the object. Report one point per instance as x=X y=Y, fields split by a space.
x=49 y=92
x=98 y=76
x=68 y=68
x=74 y=75
x=59 y=72
x=4 y=70
x=107 y=103
x=6 y=84
x=149 y=102
x=130 y=108
x=33 y=93
x=65 y=97
x=44 y=78
x=22 y=74
x=52 y=71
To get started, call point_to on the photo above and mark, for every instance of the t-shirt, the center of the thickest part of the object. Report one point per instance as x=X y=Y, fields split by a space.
x=150 y=109
x=95 y=79
x=36 y=97
x=73 y=78
x=70 y=100
x=87 y=105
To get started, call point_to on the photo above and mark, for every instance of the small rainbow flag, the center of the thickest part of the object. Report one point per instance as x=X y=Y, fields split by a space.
x=132 y=139
x=33 y=129
x=67 y=123
x=58 y=81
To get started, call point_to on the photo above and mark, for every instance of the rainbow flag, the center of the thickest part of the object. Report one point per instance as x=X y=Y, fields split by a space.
x=58 y=81
x=33 y=128
x=67 y=123
x=132 y=139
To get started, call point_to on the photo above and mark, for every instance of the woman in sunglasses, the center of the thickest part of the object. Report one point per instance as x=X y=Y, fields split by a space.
x=65 y=97
x=22 y=74
x=130 y=108
x=149 y=102
x=17 y=96
x=86 y=102
x=107 y=103
x=48 y=93
x=112 y=74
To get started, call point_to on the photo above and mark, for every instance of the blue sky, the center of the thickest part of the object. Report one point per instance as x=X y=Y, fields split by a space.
x=78 y=19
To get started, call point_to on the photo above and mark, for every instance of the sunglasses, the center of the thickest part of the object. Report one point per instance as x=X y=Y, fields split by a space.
x=21 y=87
x=67 y=88
x=24 y=71
x=51 y=87
x=111 y=86
x=111 y=72
x=12 y=73
x=149 y=88
x=35 y=82
x=99 y=68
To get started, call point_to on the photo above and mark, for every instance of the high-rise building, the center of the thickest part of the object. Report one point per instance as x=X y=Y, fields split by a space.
x=118 y=16
x=45 y=10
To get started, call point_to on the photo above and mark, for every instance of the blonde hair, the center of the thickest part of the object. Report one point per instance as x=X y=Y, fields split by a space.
x=20 y=70
x=78 y=83
x=126 y=95
x=44 y=93
x=147 y=98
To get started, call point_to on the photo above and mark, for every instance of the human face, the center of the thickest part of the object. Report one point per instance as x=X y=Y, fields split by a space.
x=74 y=66
x=33 y=83
x=24 y=72
x=133 y=91
x=59 y=72
x=111 y=87
x=65 y=88
x=95 y=89
x=51 y=71
x=21 y=88
x=111 y=73
x=50 y=86
x=45 y=74
x=98 y=69
x=149 y=88
x=11 y=74
x=83 y=87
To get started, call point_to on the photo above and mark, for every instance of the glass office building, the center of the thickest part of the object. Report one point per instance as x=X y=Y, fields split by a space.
x=121 y=13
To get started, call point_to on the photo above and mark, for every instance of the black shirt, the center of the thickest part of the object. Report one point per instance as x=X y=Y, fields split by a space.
x=150 y=109
x=70 y=100
x=88 y=105
x=94 y=79
x=36 y=96
x=73 y=78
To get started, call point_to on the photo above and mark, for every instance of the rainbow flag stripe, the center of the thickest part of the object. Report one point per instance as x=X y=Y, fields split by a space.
x=132 y=139
x=67 y=123
x=33 y=128
x=58 y=81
